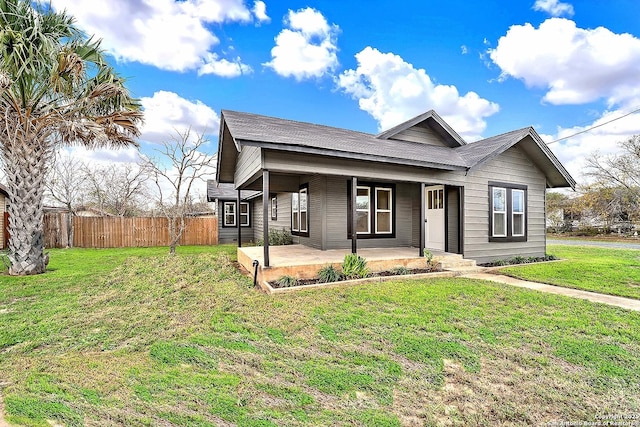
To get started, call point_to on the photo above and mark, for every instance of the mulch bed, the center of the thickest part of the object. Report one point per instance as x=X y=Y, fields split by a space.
x=305 y=282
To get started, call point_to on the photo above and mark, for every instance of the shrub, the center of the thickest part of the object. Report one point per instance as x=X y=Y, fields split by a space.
x=354 y=267
x=287 y=281
x=277 y=238
x=328 y=274
x=400 y=271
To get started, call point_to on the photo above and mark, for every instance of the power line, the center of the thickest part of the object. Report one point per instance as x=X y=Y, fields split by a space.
x=594 y=127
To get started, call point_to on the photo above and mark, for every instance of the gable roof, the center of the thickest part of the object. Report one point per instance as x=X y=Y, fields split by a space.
x=289 y=135
x=216 y=190
x=433 y=120
x=273 y=133
x=480 y=152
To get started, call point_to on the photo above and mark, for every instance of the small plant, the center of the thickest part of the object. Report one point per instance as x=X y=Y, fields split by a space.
x=400 y=271
x=354 y=267
x=287 y=281
x=428 y=255
x=328 y=274
x=550 y=257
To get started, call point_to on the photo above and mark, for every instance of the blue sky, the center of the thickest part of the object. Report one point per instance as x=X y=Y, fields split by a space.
x=487 y=67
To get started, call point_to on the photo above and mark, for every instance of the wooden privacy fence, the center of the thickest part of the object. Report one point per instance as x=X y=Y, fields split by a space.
x=118 y=232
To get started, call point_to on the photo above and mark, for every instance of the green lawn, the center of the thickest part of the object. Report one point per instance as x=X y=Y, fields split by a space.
x=604 y=270
x=135 y=337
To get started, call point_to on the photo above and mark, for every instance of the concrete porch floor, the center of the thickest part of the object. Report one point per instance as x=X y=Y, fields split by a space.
x=304 y=262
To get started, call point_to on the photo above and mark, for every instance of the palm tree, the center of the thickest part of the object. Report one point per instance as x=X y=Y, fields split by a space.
x=55 y=89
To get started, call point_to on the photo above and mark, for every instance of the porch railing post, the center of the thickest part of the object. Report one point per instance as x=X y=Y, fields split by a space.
x=265 y=215
x=422 y=218
x=238 y=217
x=354 y=215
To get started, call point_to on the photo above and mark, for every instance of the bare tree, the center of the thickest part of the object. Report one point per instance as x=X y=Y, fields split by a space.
x=181 y=164
x=118 y=189
x=66 y=185
x=616 y=186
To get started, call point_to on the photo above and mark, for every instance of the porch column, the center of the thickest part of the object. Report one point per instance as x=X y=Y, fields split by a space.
x=238 y=217
x=422 y=218
x=265 y=215
x=461 y=220
x=354 y=216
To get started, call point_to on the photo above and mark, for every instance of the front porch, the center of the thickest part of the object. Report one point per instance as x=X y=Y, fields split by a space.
x=303 y=262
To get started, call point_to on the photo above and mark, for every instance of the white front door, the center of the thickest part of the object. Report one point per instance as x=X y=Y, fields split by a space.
x=434 y=217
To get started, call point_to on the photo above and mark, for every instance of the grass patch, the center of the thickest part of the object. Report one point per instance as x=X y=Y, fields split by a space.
x=136 y=337
x=605 y=270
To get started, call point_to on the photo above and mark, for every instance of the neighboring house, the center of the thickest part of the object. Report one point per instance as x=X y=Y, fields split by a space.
x=418 y=184
x=4 y=201
x=225 y=198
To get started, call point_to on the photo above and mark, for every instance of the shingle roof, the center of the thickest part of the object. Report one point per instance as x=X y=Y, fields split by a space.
x=476 y=152
x=281 y=134
x=216 y=190
x=335 y=141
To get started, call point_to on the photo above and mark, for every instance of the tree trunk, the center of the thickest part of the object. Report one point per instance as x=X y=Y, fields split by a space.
x=25 y=166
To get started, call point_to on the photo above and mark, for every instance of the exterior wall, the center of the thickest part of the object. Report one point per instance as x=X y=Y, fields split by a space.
x=230 y=234
x=424 y=135
x=512 y=167
x=248 y=164
x=452 y=218
x=283 y=220
x=337 y=213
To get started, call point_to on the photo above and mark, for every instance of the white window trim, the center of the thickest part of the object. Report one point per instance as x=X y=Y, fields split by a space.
x=390 y=210
x=295 y=205
x=514 y=213
x=368 y=211
x=243 y=215
x=233 y=214
x=503 y=212
x=304 y=191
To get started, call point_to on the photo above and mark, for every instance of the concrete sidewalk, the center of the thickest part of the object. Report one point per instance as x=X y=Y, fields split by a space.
x=626 y=303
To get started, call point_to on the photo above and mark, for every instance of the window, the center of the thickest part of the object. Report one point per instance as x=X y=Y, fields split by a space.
x=229 y=218
x=299 y=212
x=375 y=206
x=274 y=208
x=384 y=215
x=244 y=214
x=507 y=219
x=363 y=211
x=517 y=212
x=229 y=214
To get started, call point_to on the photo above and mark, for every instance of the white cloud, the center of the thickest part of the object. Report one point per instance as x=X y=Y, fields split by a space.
x=573 y=151
x=576 y=65
x=392 y=91
x=306 y=49
x=166 y=112
x=464 y=49
x=223 y=67
x=553 y=7
x=171 y=35
x=260 y=11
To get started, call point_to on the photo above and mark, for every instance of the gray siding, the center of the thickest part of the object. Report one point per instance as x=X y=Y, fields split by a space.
x=248 y=164
x=230 y=234
x=424 y=135
x=452 y=219
x=317 y=196
x=284 y=215
x=337 y=209
x=512 y=167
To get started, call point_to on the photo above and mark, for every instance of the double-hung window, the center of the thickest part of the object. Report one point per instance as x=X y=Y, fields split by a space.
x=375 y=205
x=230 y=214
x=300 y=212
x=507 y=212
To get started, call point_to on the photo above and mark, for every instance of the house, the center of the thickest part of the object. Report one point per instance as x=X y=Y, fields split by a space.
x=225 y=198
x=418 y=184
x=4 y=226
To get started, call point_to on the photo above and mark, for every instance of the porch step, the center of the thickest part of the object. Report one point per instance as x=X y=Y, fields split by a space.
x=452 y=263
